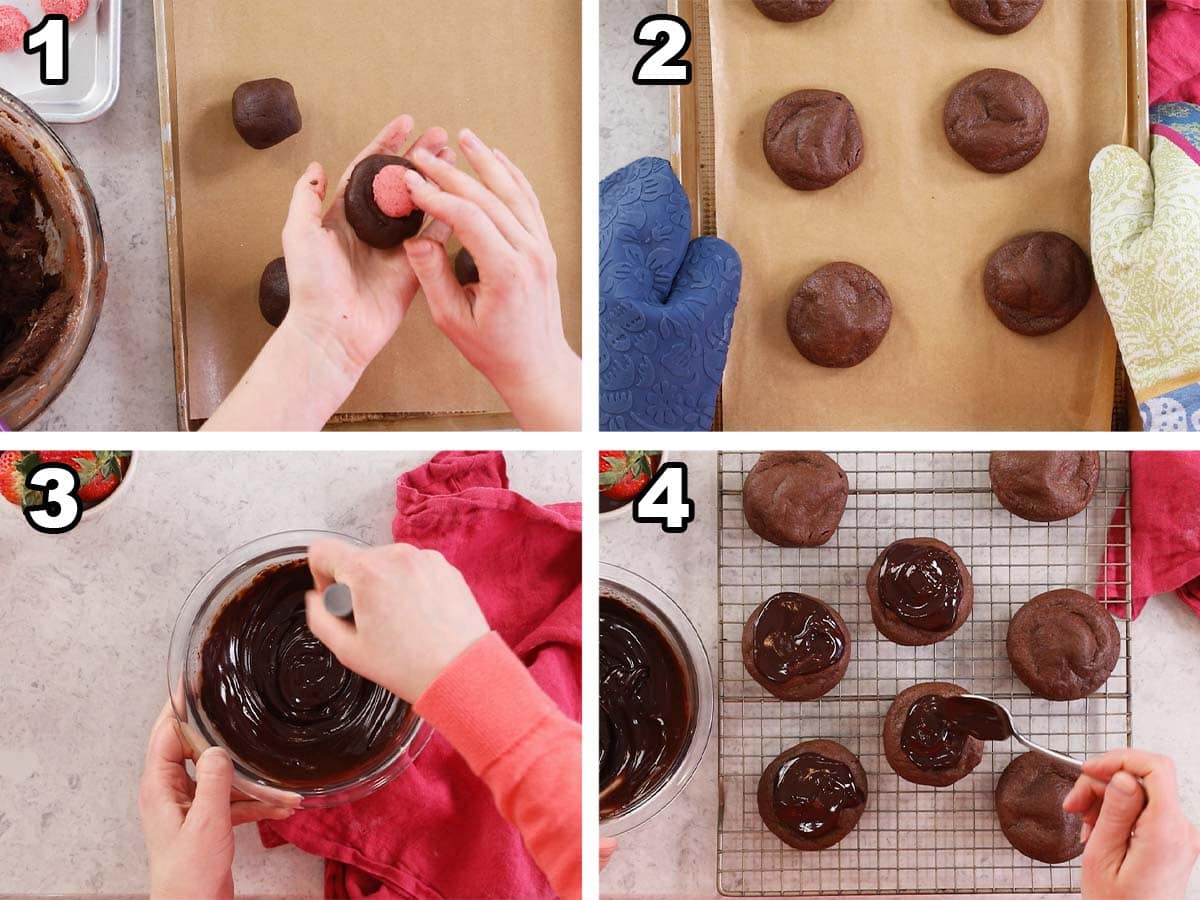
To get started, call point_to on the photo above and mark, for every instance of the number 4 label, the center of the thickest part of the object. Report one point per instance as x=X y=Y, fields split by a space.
x=49 y=40
x=665 y=501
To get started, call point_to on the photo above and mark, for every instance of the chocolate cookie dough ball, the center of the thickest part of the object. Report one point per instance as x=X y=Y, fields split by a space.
x=920 y=591
x=1038 y=282
x=795 y=498
x=792 y=10
x=274 y=294
x=1029 y=799
x=920 y=745
x=1044 y=485
x=839 y=315
x=812 y=139
x=813 y=794
x=795 y=646
x=1063 y=645
x=996 y=120
x=998 y=16
x=465 y=269
x=265 y=112
x=373 y=226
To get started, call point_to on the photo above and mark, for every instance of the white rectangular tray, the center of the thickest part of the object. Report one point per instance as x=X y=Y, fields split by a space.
x=94 y=66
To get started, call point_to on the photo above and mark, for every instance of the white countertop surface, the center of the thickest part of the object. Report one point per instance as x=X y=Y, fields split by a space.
x=633 y=118
x=675 y=853
x=84 y=639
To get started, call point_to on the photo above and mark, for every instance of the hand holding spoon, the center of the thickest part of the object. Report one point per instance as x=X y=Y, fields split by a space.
x=985 y=719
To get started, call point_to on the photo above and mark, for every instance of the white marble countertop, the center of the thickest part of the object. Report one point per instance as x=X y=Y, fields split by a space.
x=676 y=852
x=633 y=118
x=85 y=634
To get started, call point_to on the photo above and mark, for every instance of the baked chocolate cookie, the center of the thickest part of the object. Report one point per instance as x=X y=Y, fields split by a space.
x=920 y=590
x=839 y=315
x=795 y=498
x=274 y=294
x=1044 y=485
x=1029 y=799
x=1038 y=282
x=998 y=16
x=1063 y=644
x=265 y=112
x=465 y=269
x=920 y=745
x=813 y=794
x=792 y=10
x=795 y=646
x=373 y=226
x=812 y=139
x=996 y=120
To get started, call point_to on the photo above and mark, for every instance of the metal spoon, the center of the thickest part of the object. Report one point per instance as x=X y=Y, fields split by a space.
x=338 y=601
x=984 y=718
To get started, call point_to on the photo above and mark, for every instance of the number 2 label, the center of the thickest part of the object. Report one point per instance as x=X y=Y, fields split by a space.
x=665 y=501
x=670 y=37
x=49 y=41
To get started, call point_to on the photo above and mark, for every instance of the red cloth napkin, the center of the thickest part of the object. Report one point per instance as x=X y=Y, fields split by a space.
x=1173 y=39
x=434 y=831
x=1165 y=533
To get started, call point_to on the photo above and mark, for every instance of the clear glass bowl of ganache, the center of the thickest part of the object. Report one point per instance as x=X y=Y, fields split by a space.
x=656 y=700
x=246 y=673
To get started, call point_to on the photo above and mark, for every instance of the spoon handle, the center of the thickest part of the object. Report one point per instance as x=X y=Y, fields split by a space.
x=1053 y=754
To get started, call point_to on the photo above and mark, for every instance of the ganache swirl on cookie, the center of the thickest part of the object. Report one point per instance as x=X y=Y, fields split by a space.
x=645 y=713
x=795 y=635
x=279 y=698
x=810 y=790
x=928 y=738
x=922 y=585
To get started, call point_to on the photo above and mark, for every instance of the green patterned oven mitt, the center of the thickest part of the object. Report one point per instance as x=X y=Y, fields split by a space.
x=1146 y=253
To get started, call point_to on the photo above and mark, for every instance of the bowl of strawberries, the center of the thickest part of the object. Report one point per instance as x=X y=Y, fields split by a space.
x=102 y=475
x=623 y=475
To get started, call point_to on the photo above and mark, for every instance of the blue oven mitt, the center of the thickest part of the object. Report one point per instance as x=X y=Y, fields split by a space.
x=666 y=305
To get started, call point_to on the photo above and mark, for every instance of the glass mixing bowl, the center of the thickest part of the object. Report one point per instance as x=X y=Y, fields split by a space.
x=75 y=248
x=681 y=635
x=216 y=588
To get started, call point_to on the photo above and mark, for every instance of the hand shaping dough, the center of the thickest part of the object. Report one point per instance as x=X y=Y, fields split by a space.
x=266 y=112
x=373 y=226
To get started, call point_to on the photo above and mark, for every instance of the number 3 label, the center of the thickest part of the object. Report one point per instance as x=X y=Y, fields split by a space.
x=49 y=40
x=60 y=509
x=670 y=37
x=665 y=501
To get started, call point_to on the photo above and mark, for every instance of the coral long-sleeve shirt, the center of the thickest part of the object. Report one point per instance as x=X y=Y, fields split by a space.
x=514 y=737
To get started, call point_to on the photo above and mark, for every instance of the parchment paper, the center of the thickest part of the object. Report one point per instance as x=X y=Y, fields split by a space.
x=914 y=213
x=510 y=71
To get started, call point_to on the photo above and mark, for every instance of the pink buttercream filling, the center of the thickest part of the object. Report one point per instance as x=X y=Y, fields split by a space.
x=13 y=26
x=392 y=194
x=72 y=9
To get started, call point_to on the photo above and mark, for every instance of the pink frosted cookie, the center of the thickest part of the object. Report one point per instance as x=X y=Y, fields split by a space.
x=72 y=9
x=392 y=194
x=13 y=26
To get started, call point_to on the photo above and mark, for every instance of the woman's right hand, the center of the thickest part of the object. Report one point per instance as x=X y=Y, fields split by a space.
x=413 y=613
x=1139 y=843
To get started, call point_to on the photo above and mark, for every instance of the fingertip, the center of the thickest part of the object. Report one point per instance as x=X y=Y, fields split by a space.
x=1085 y=831
x=1124 y=783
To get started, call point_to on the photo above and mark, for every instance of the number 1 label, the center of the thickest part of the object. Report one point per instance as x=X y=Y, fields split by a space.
x=49 y=41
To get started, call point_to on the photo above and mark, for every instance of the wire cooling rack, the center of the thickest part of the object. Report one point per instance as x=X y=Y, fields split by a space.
x=911 y=839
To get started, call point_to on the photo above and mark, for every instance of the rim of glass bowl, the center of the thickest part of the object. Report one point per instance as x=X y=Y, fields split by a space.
x=23 y=403
x=681 y=633
x=232 y=568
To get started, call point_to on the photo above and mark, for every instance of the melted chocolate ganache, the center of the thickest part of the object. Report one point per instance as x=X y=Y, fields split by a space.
x=795 y=635
x=811 y=790
x=645 y=713
x=921 y=585
x=929 y=738
x=280 y=700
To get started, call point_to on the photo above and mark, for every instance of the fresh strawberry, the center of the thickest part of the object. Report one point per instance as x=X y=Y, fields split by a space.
x=623 y=473
x=15 y=465
x=100 y=471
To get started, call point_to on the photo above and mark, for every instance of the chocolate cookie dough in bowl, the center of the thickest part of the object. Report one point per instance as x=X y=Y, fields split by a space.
x=246 y=674
x=52 y=267
x=656 y=700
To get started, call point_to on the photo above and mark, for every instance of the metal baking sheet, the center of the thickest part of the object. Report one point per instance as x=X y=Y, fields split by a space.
x=94 y=71
x=911 y=839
